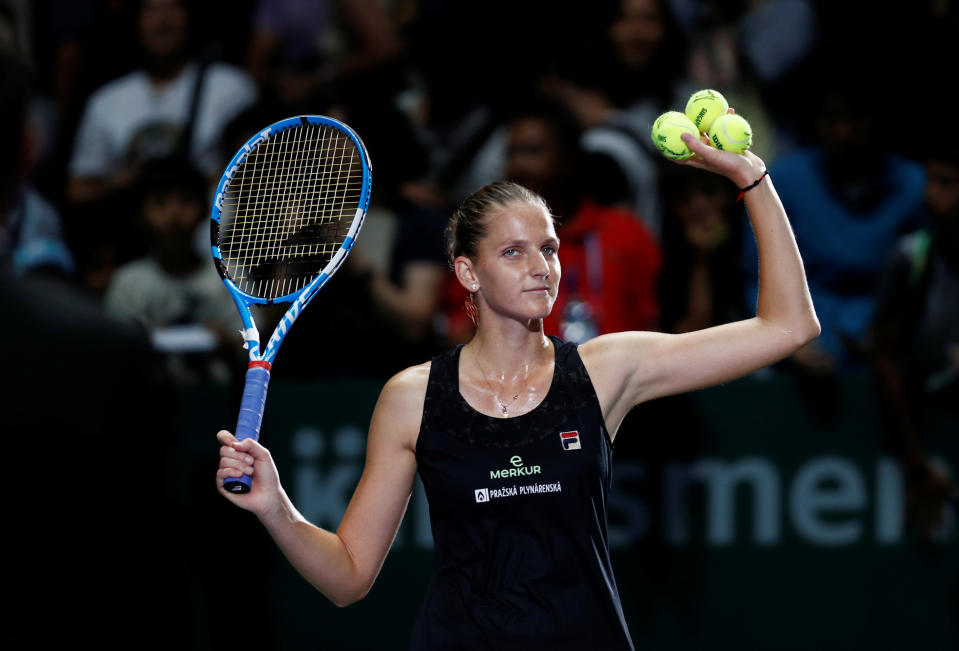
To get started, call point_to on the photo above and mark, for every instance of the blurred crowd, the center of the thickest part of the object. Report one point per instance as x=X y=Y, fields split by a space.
x=132 y=108
x=120 y=115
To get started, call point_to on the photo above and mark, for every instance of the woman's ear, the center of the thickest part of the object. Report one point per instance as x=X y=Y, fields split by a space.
x=465 y=274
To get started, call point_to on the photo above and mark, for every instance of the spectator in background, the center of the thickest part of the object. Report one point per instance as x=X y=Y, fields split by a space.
x=701 y=280
x=468 y=64
x=31 y=235
x=628 y=66
x=746 y=52
x=86 y=557
x=916 y=342
x=610 y=261
x=174 y=104
x=405 y=288
x=34 y=237
x=296 y=45
x=174 y=291
x=849 y=197
x=754 y=53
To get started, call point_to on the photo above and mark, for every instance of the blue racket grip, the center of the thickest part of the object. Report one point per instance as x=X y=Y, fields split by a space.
x=251 y=416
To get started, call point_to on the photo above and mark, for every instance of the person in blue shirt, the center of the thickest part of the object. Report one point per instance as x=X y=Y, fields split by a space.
x=849 y=197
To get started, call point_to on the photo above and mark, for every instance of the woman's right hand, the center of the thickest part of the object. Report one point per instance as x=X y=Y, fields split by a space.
x=248 y=457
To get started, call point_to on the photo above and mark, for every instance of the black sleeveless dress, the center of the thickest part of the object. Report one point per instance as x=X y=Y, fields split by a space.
x=518 y=512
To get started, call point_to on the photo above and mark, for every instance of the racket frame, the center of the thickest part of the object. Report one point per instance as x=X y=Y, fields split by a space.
x=300 y=298
x=258 y=371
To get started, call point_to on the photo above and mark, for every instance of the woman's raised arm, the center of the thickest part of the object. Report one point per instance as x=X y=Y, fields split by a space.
x=632 y=367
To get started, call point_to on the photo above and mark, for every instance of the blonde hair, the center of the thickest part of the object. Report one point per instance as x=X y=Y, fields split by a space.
x=467 y=226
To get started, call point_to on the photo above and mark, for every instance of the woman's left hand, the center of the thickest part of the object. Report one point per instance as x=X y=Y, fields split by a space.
x=741 y=169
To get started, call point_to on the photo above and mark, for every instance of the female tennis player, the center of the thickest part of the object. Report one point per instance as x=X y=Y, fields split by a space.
x=512 y=434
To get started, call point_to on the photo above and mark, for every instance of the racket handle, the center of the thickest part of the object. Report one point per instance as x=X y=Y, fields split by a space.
x=251 y=416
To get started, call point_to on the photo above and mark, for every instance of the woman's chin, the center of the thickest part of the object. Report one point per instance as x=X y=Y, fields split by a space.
x=541 y=308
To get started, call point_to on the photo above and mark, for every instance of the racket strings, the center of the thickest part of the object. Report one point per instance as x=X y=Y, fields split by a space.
x=288 y=209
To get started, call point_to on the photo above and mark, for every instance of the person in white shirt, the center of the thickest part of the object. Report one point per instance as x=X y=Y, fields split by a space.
x=146 y=113
x=174 y=291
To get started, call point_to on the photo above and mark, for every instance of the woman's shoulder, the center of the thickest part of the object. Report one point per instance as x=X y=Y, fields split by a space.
x=407 y=388
x=616 y=352
x=412 y=377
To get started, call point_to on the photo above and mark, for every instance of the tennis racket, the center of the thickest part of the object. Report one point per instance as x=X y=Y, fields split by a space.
x=287 y=211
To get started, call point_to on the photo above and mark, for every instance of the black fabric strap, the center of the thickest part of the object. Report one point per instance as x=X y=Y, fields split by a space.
x=186 y=135
x=743 y=191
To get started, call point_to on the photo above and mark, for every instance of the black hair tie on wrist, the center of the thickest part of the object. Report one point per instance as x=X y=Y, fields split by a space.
x=743 y=191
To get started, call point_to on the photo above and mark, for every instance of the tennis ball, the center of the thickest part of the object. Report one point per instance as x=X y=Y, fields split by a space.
x=666 y=133
x=704 y=106
x=731 y=132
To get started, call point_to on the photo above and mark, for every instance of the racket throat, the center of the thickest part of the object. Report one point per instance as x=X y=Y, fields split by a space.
x=251 y=339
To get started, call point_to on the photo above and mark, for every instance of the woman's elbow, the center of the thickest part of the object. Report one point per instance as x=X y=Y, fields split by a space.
x=347 y=600
x=807 y=330
x=344 y=599
x=343 y=603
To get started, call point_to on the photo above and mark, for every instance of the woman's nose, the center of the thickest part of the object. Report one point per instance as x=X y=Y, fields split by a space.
x=540 y=266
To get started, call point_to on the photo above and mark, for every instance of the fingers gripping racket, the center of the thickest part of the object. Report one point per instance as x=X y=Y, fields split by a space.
x=287 y=211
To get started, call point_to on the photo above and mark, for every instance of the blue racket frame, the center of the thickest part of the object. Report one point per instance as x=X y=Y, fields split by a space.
x=257 y=382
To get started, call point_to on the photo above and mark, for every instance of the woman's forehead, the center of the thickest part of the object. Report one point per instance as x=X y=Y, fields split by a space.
x=522 y=220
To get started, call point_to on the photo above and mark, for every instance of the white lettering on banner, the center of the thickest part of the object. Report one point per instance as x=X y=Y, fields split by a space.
x=721 y=479
x=629 y=517
x=828 y=486
x=828 y=501
x=322 y=497
x=423 y=531
x=828 y=504
x=889 y=520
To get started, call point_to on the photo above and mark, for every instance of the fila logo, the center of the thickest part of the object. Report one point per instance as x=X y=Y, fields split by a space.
x=570 y=440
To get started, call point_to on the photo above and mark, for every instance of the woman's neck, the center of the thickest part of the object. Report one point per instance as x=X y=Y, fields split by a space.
x=511 y=349
x=506 y=374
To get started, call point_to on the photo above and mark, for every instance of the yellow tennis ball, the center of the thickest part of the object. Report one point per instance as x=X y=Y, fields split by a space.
x=731 y=132
x=667 y=131
x=704 y=106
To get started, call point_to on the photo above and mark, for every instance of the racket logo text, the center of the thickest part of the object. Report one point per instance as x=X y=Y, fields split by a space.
x=286 y=322
x=228 y=175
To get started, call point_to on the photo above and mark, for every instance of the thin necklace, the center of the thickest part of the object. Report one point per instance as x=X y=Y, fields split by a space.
x=504 y=407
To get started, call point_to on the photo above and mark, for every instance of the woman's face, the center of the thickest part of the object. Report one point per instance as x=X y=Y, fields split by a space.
x=517 y=263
